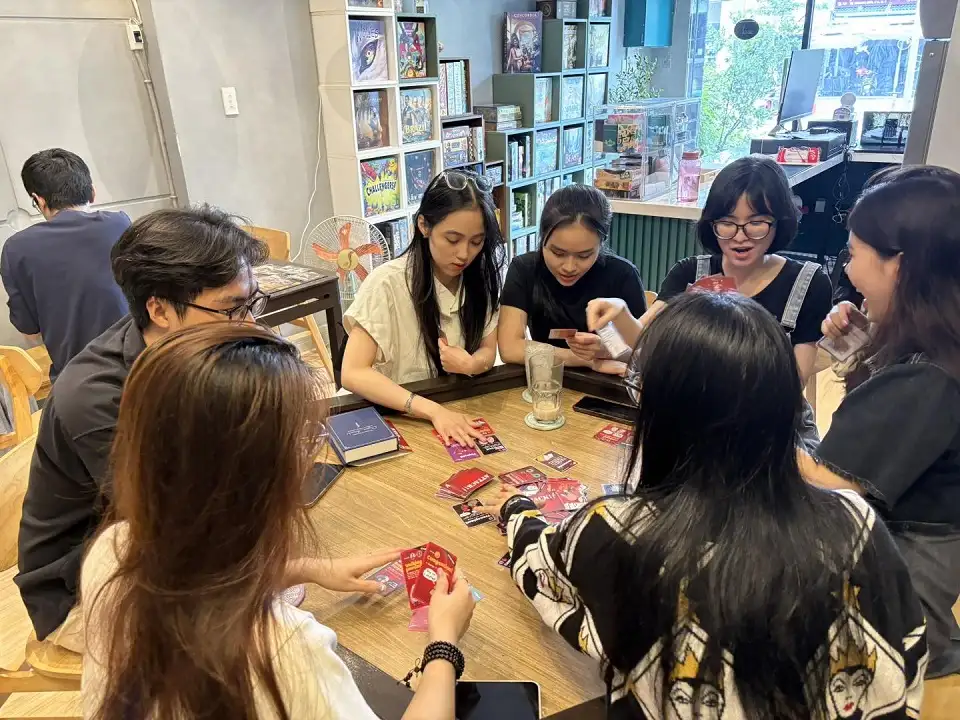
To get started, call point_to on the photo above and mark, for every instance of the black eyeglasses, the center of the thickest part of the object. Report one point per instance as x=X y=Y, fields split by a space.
x=458 y=179
x=754 y=230
x=254 y=306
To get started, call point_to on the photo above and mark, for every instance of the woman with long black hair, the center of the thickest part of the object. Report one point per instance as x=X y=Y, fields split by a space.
x=896 y=436
x=550 y=288
x=433 y=310
x=724 y=585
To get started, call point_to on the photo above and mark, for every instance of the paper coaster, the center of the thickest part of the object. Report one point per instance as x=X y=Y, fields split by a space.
x=527 y=397
x=531 y=421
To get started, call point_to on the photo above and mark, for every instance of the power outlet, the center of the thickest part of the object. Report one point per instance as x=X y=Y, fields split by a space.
x=229 y=96
x=134 y=35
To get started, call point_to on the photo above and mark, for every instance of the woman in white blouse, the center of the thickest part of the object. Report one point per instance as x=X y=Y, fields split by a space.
x=433 y=310
x=219 y=426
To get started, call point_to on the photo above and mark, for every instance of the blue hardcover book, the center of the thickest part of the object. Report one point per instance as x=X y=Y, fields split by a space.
x=360 y=434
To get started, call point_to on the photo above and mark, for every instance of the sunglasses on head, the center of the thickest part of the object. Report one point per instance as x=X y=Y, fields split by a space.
x=458 y=180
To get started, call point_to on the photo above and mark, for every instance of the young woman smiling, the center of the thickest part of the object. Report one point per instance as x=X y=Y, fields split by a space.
x=550 y=288
x=749 y=216
x=433 y=310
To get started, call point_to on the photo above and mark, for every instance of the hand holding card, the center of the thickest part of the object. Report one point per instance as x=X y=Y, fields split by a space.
x=715 y=283
x=562 y=333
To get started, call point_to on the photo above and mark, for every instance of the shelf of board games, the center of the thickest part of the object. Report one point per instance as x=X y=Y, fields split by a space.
x=592 y=9
x=455 y=88
x=371 y=7
x=359 y=50
x=417 y=48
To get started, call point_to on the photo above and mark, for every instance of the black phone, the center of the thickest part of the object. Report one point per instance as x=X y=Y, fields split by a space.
x=497 y=700
x=321 y=477
x=605 y=409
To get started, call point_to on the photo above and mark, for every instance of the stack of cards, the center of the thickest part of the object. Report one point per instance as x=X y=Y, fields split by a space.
x=463 y=484
x=458 y=452
x=523 y=476
x=556 y=461
x=487 y=445
x=390 y=578
x=614 y=435
x=557 y=498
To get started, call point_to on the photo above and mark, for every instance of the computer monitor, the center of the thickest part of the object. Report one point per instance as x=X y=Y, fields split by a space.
x=800 y=85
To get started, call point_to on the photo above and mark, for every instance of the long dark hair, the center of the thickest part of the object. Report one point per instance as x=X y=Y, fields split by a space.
x=766 y=187
x=914 y=215
x=569 y=205
x=738 y=541
x=480 y=280
x=218 y=428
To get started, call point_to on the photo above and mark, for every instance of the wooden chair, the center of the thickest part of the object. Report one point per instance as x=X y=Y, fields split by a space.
x=23 y=378
x=26 y=664
x=42 y=358
x=279 y=243
x=651 y=297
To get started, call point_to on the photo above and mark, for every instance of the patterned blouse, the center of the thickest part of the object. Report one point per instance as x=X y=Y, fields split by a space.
x=869 y=665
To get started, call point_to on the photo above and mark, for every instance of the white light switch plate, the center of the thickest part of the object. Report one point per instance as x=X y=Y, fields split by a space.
x=230 y=107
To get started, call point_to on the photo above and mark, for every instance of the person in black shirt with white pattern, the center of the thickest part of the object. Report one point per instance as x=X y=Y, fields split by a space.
x=724 y=586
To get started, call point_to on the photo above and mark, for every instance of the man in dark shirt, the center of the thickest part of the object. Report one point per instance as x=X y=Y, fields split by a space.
x=176 y=268
x=57 y=273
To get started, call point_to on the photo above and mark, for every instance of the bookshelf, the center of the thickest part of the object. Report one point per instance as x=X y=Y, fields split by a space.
x=559 y=107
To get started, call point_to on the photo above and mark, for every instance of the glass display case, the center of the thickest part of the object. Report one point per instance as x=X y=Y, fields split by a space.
x=638 y=146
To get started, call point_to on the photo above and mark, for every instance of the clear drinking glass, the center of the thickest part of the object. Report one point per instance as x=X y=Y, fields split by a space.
x=534 y=350
x=546 y=401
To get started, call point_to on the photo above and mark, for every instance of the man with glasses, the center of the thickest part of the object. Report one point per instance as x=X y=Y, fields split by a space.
x=57 y=273
x=176 y=268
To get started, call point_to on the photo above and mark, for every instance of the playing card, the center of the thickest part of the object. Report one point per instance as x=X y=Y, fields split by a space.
x=556 y=461
x=611 y=489
x=715 y=283
x=614 y=435
x=460 y=453
x=468 y=513
x=463 y=484
x=505 y=560
x=389 y=576
x=562 y=333
x=844 y=348
x=523 y=476
x=490 y=444
x=502 y=528
x=483 y=426
x=436 y=560
x=411 y=561
x=403 y=445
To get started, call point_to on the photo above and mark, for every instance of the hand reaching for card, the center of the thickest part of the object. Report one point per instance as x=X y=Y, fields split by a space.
x=494 y=506
x=586 y=346
x=455 y=360
x=603 y=311
x=342 y=574
x=454 y=426
x=451 y=609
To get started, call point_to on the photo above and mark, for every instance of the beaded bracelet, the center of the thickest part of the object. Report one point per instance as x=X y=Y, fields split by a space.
x=437 y=651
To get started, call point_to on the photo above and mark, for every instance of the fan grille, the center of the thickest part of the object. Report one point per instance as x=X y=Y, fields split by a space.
x=349 y=247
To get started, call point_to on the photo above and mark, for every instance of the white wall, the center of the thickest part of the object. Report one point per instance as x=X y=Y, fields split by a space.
x=943 y=148
x=259 y=164
x=68 y=79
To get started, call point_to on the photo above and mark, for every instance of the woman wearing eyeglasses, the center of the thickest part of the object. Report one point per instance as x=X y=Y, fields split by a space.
x=748 y=217
x=549 y=289
x=433 y=310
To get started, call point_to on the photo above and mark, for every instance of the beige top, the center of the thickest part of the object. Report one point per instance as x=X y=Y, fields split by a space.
x=314 y=681
x=384 y=308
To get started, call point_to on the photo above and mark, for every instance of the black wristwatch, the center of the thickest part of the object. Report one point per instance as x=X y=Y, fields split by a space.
x=438 y=651
x=512 y=503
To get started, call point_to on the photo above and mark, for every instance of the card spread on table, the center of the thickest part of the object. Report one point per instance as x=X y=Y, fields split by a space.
x=389 y=576
x=463 y=484
x=505 y=560
x=483 y=426
x=436 y=560
x=523 y=476
x=614 y=435
x=402 y=443
x=458 y=452
x=490 y=444
x=715 y=283
x=468 y=513
x=562 y=333
x=556 y=461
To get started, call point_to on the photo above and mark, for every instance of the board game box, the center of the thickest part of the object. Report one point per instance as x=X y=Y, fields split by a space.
x=419 y=173
x=416 y=114
x=572 y=146
x=543 y=100
x=569 y=47
x=411 y=49
x=369 y=114
x=368 y=50
x=599 y=45
x=571 y=98
x=545 y=150
x=522 y=42
x=380 y=181
x=596 y=92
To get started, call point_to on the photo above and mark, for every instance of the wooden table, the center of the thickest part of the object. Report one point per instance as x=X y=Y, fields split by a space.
x=392 y=504
x=296 y=291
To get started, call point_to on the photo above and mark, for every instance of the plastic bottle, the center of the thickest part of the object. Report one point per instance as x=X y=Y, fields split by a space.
x=688 y=189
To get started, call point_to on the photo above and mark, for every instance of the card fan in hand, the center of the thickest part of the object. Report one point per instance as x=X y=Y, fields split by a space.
x=350 y=247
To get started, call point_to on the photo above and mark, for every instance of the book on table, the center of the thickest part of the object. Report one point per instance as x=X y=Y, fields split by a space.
x=361 y=434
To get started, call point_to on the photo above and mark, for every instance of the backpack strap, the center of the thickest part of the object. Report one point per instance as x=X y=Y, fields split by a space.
x=797 y=295
x=703 y=267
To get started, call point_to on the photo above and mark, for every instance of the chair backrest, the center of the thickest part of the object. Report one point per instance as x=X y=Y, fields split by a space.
x=14 y=473
x=23 y=377
x=277 y=240
x=651 y=297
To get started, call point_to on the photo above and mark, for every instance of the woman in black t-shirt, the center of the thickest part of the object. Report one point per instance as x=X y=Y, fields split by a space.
x=550 y=288
x=896 y=436
x=748 y=217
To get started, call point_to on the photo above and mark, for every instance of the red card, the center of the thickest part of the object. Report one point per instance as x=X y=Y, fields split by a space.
x=436 y=560
x=466 y=482
x=615 y=435
x=411 y=560
x=400 y=439
x=523 y=476
x=562 y=334
x=484 y=427
x=715 y=283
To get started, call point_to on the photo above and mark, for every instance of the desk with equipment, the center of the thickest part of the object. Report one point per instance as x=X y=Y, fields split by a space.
x=394 y=504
